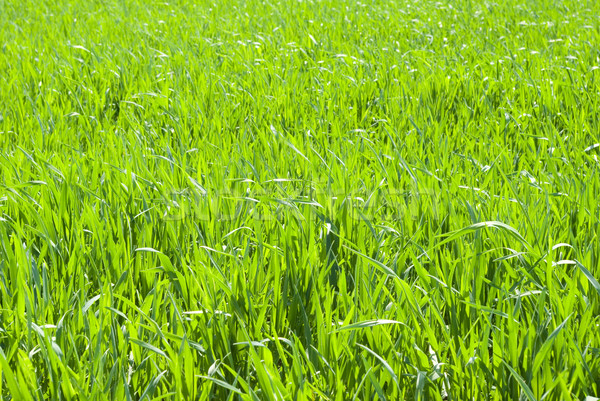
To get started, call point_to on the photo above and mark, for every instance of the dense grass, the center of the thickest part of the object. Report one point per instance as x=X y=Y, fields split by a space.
x=299 y=200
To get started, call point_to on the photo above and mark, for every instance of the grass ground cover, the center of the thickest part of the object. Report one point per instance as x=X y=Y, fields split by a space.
x=256 y=200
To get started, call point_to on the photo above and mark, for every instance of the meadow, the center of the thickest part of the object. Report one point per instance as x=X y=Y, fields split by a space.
x=299 y=200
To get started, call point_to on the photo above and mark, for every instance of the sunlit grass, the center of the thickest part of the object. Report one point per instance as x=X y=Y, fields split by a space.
x=299 y=200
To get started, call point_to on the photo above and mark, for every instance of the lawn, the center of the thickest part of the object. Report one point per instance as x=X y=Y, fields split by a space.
x=299 y=200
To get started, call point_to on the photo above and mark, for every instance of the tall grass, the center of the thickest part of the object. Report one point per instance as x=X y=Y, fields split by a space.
x=299 y=200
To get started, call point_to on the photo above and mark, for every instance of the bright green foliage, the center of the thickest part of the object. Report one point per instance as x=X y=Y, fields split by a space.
x=300 y=200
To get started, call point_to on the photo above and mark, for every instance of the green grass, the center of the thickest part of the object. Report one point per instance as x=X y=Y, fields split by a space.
x=299 y=200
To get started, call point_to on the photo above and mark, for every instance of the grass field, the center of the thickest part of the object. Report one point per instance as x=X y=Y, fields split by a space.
x=299 y=200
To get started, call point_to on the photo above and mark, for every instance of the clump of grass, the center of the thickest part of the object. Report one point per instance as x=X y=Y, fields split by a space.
x=299 y=200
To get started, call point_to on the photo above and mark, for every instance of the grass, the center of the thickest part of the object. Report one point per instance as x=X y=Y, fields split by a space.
x=299 y=200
